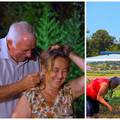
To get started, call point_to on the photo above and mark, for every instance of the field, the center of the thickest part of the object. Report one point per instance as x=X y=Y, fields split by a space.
x=114 y=100
x=104 y=113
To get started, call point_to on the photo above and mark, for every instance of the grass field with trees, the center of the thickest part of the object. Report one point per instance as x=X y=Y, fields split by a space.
x=107 y=69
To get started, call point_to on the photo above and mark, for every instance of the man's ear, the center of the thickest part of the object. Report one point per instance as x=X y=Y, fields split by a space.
x=9 y=44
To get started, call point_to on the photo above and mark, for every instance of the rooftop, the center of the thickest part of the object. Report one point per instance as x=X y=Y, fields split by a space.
x=109 y=57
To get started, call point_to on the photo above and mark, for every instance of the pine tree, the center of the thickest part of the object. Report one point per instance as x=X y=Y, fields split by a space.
x=49 y=30
x=74 y=34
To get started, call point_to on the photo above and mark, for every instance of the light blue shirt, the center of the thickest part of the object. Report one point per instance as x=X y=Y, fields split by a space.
x=10 y=72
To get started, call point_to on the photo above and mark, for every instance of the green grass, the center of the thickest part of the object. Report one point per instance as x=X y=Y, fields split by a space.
x=103 y=73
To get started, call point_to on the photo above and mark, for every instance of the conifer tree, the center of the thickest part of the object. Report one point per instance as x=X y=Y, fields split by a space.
x=73 y=31
x=49 y=30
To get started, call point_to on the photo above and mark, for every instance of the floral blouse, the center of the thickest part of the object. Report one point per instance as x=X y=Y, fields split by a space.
x=62 y=107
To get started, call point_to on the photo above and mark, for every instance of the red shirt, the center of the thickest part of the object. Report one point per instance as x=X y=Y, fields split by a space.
x=94 y=86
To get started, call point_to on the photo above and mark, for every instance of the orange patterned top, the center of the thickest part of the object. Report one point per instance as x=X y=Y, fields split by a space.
x=62 y=107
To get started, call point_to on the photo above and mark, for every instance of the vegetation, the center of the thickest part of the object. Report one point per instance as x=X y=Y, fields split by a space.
x=99 y=41
x=106 y=65
x=107 y=69
x=114 y=100
x=58 y=22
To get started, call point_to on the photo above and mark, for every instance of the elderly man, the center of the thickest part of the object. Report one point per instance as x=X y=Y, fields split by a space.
x=16 y=62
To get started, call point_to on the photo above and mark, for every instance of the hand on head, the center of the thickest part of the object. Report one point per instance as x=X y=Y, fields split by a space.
x=66 y=49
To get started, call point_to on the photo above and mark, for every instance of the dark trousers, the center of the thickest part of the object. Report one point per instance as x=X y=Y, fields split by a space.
x=92 y=106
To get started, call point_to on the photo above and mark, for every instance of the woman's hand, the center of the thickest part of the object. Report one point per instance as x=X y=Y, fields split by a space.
x=56 y=46
x=65 y=48
x=110 y=108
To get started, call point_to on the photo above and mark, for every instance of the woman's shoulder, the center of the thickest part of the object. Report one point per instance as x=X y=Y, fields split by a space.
x=32 y=92
x=66 y=89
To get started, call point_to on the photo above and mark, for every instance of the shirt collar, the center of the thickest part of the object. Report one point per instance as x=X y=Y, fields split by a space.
x=4 y=49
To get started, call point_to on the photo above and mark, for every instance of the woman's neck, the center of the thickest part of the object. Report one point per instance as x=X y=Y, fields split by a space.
x=50 y=94
x=51 y=91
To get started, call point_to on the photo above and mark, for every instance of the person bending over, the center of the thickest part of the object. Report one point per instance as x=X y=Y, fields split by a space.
x=96 y=90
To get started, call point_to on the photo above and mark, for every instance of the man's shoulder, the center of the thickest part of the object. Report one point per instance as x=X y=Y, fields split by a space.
x=1 y=41
x=2 y=46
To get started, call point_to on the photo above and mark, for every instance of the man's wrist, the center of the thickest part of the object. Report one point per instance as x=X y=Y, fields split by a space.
x=22 y=85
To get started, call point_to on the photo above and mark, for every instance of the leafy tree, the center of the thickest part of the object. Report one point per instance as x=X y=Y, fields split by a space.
x=19 y=11
x=100 y=41
x=113 y=47
x=91 y=50
x=103 y=39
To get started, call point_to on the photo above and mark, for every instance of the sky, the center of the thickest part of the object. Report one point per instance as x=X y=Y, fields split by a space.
x=103 y=15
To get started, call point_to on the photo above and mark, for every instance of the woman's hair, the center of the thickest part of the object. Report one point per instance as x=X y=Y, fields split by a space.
x=51 y=55
x=114 y=81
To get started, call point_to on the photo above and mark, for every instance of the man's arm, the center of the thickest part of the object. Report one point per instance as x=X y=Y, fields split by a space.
x=9 y=91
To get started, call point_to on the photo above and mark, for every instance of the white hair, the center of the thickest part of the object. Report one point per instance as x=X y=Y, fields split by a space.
x=17 y=29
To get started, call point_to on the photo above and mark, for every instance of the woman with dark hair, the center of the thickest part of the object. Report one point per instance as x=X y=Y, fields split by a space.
x=53 y=97
x=96 y=91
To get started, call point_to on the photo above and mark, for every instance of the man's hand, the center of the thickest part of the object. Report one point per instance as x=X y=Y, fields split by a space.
x=31 y=80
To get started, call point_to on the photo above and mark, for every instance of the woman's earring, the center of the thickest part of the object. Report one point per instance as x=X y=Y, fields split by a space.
x=42 y=83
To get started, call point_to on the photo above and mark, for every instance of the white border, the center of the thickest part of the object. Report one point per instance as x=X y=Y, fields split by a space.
x=85 y=59
x=42 y=0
